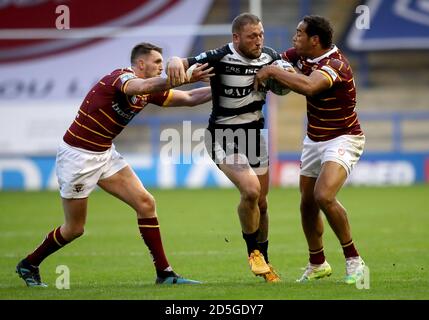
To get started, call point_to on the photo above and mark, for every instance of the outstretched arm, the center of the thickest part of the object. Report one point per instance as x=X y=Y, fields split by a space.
x=138 y=86
x=310 y=85
x=190 y=98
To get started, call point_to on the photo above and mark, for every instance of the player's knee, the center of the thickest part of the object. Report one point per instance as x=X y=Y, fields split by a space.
x=251 y=193
x=323 y=199
x=308 y=205
x=146 y=204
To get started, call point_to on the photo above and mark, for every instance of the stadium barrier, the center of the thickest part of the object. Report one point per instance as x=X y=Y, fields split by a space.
x=394 y=167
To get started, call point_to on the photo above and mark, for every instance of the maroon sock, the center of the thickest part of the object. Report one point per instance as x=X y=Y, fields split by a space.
x=53 y=242
x=349 y=249
x=149 y=229
x=317 y=256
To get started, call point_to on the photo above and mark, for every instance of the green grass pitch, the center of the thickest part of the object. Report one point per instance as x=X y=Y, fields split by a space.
x=202 y=239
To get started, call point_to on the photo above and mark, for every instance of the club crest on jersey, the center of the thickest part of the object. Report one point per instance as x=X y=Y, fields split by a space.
x=139 y=100
x=78 y=187
x=134 y=99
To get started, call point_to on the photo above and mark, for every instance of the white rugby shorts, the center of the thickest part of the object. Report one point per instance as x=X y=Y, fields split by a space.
x=78 y=170
x=344 y=150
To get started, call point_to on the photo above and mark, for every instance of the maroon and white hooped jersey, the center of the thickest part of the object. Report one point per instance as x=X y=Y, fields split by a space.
x=330 y=113
x=106 y=110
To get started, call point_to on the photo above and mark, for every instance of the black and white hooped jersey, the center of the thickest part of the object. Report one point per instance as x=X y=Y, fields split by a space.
x=235 y=102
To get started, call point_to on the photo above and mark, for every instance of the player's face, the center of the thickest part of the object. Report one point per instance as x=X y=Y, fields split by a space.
x=250 y=40
x=301 y=41
x=152 y=64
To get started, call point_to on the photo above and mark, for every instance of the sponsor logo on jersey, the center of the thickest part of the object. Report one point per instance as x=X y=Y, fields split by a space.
x=241 y=70
x=237 y=92
x=232 y=69
x=201 y=56
x=233 y=59
x=127 y=115
x=126 y=76
x=251 y=70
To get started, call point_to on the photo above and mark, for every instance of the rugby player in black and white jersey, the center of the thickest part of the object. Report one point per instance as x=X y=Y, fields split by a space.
x=234 y=138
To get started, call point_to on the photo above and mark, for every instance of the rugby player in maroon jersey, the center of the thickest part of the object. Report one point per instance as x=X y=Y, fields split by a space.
x=87 y=157
x=334 y=141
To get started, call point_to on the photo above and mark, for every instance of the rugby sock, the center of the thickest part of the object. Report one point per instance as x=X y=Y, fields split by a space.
x=251 y=242
x=317 y=256
x=349 y=249
x=263 y=247
x=53 y=242
x=149 y=230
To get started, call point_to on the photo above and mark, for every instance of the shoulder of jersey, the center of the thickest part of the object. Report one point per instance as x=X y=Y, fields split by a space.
x=214 y=54
x=270 y=51
x=332 y=62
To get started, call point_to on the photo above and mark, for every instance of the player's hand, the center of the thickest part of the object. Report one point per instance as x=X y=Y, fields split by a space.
x=175 y=72
x=261 y=77
x=201 y=73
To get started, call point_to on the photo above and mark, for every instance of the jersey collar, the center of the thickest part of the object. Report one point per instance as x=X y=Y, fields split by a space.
x=327 y=54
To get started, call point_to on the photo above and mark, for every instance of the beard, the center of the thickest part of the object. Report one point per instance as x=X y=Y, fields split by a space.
x=251 y=54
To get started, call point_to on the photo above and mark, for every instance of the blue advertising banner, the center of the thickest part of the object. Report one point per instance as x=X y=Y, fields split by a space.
x=393 y=24
x=38 y=173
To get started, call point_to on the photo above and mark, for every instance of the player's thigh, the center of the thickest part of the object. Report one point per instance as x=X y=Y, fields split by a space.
x=126 y=186
x=242 y=176
x=75 y=212
x=310 y=158
x=306 y=187
x=331 y=178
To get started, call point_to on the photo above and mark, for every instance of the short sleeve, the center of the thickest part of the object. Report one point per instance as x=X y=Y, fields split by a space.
x=210 y=56
x=122 y=80
x=160 y=98
x=331 y=69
